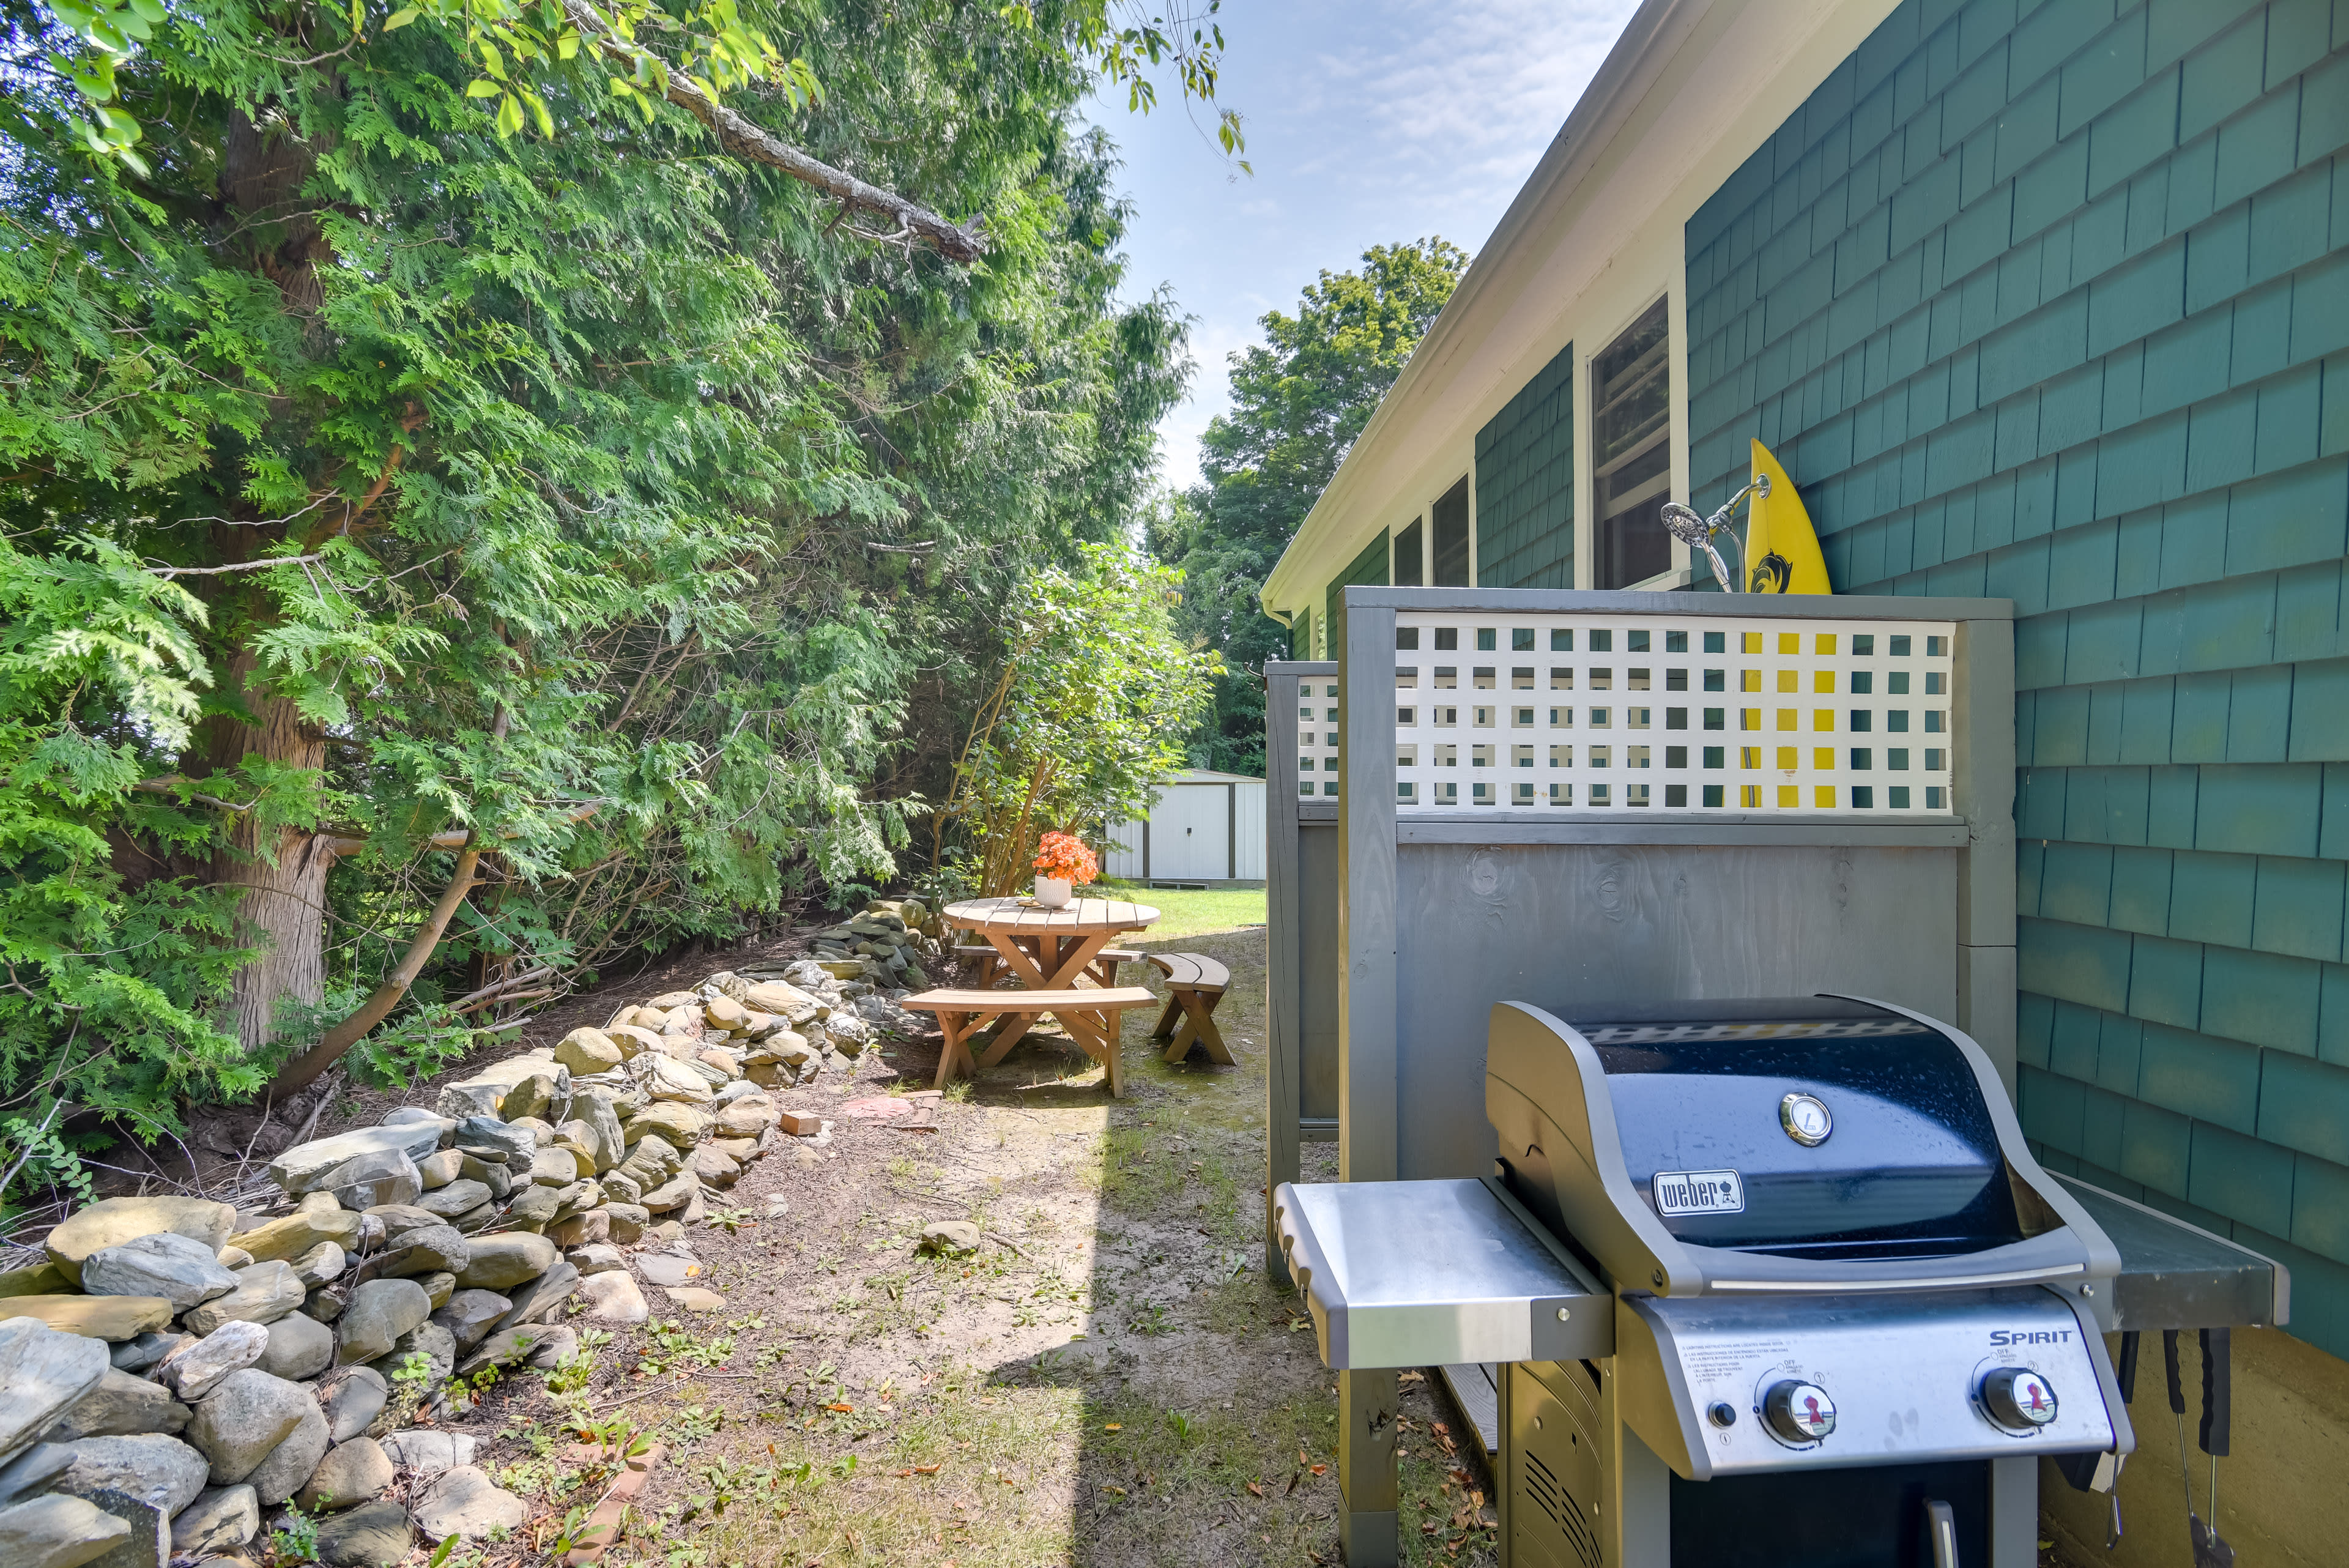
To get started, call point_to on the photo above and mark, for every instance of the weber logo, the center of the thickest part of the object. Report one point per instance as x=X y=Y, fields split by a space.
x=2004 y=1336
x=1697 y=1192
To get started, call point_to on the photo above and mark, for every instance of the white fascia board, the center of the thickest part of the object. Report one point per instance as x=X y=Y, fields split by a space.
x=1689 y=90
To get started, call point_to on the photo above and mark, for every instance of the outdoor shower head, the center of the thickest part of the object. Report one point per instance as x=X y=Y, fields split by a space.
x=1683 y=524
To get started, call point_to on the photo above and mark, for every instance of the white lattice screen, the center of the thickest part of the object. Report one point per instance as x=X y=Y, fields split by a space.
x=1316 y=739
x=1601 y=712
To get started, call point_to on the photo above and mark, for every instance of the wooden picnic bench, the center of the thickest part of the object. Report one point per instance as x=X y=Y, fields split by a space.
x=1102 y=968
x=1195 y=984
x=1091 y=1015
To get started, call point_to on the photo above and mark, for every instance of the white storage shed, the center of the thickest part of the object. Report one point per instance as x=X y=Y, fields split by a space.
x=1204 y=827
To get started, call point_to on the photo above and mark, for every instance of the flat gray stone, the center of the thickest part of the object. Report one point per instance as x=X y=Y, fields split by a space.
x=440 y=1168
x=378 y=1177
x=596 y=1111
x=507 y=1259
x=427 y=1451
x=397 y=1219
x=465 y=1501
x=222 y=1519
x=506 y=1347
x=148 y=1545
x=322 y=1263
x=352 y=1397
x=57 y=1532
x=33 y=1470
x=281 y=1473
x=120 y=1406
x=138 y=1354
x=457 y=1196
x=265 y=1293
x=533 y=1209
x=378 y=1314
x=540 y=1299
x=374 y=1535
x=180 y=1268
x=195 y=1371
x=351 y=1473
x=299 y=1348
x=157 y=1469
x=668 y=1270
x=46 y=1372
x=306 y=1166
x=471 y=1314
x=519 y=1145
x=241 y=1422
x=425 y=1250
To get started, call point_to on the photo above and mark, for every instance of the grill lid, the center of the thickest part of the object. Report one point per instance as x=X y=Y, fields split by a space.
x=1826 y=1138
x=1819 y=1144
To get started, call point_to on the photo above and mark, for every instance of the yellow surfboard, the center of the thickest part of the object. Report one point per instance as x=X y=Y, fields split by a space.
x=1782 y=549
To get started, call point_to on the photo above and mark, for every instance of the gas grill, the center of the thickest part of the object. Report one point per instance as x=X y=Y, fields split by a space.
x=1849 y=1311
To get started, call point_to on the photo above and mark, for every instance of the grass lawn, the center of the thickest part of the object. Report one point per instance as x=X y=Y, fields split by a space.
x=1187 y=914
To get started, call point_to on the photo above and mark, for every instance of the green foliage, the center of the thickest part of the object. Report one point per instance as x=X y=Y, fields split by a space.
x=1087 y=713
x=1299 y=399
x=373 y=476
x=297 y=1540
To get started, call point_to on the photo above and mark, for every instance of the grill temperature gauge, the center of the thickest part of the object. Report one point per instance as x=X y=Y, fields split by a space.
x=2018 y=1400
x=1798 y=1411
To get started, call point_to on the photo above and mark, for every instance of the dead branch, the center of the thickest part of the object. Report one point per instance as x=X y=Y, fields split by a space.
x=958 y=243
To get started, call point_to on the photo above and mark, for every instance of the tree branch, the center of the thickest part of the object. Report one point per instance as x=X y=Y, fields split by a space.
x=299 y=1073
x=958 y=243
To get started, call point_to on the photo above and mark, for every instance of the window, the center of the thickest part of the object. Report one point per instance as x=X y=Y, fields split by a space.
x=1630 y=443
x=1450 y=519
x=1409 y=566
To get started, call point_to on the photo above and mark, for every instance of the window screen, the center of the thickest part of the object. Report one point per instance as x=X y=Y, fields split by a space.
x=1408 y=560
x=1451 y=518
x=1631 y=453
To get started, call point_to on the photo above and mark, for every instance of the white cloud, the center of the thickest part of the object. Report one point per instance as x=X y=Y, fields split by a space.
x=1368 y=122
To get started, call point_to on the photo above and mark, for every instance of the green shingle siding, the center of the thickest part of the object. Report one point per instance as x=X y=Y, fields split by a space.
x=2056 y=308
x=1525 y=484
x=1371 y=568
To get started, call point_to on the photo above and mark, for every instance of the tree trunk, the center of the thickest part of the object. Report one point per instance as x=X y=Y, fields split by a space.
x=283 y=909
x=265 y=166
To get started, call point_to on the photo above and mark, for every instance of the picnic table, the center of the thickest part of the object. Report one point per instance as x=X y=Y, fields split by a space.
x=1049 y=951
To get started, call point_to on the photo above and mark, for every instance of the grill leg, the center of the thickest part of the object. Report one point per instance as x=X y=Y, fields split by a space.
x=2014 y=1512
x=1369 y=1492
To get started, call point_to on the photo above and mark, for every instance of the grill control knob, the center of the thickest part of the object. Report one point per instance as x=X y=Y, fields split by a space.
x=1799 y=1412
x=2018 y=1400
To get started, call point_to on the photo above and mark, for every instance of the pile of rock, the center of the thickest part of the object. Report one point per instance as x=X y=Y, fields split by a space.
x=893 y=934
x=178 y=1365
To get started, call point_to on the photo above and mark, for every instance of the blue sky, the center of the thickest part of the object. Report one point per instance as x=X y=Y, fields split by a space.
x=1368 y=122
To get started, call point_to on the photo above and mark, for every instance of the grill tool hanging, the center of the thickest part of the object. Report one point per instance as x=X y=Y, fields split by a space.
x=2211 y=1549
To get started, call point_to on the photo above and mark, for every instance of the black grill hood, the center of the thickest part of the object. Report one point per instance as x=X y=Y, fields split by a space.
x=1923 y=1183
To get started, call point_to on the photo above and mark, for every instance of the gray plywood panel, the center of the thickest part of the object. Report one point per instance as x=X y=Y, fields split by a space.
x=1315 y=911
x=1564 y=926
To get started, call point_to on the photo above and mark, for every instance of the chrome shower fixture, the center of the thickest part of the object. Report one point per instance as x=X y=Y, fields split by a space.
x=1683 y=524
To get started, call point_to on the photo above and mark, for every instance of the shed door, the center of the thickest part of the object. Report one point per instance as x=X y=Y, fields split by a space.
x=1190 y=834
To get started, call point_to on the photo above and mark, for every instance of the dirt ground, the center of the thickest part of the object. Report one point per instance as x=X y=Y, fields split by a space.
x=1111 y=1379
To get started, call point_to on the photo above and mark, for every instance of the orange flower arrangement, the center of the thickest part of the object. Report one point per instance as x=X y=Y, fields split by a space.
x=1063 y=858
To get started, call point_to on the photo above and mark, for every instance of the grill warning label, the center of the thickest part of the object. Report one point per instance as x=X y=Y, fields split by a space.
x=1697 y=1192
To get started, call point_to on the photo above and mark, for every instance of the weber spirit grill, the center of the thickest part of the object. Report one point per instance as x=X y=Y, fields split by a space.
x=1768 y=1283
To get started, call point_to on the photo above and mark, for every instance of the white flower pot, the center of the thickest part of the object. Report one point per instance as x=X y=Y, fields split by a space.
x=1052 y=893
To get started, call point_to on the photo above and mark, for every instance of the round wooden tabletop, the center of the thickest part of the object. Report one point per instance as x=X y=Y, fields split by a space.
x=1011 y=917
